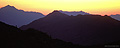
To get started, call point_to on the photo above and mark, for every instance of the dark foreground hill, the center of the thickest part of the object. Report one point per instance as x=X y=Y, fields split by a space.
x=11 y=15
x=12 y=37
x=80 y=29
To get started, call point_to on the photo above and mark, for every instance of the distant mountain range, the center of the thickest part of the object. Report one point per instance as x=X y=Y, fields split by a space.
x=80 y=29
x=11 y=15
x=74 y=13
x=117 y=16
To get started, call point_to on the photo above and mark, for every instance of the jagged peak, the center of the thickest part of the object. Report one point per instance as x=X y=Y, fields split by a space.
x=74 y=13
x=69 y=11
x=8 y=6
x=56 y=11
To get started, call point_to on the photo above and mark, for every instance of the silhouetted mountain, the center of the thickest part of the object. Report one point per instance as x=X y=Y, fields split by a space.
x=12 y=37
x=11 y=15
x=117 y=17
x=74 y=13
x=81 y=29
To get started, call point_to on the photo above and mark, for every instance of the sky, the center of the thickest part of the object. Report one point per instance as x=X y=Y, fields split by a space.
x=101 y=7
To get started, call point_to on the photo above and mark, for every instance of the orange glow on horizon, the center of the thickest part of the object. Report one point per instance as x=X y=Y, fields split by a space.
x=46 y=6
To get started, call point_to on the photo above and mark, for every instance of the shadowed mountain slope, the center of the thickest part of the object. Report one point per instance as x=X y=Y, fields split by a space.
x=80 y=29
x=12 y=37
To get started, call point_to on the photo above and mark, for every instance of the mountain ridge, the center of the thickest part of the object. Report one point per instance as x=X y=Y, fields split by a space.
x=81 y=29
x=117 y=17
x=11 y=15
x=74 y=13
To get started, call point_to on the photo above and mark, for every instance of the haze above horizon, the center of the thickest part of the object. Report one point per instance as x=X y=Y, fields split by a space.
x=46 y=6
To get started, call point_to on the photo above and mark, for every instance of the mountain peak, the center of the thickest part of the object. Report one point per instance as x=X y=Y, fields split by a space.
x=56 y=15
x=9 y=7
x=56 y=11
x=13 y=16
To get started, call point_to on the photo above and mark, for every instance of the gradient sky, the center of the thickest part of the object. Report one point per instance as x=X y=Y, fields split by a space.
x=46 y=6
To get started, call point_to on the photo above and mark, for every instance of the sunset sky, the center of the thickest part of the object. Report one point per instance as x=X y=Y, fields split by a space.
x=46 y=6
